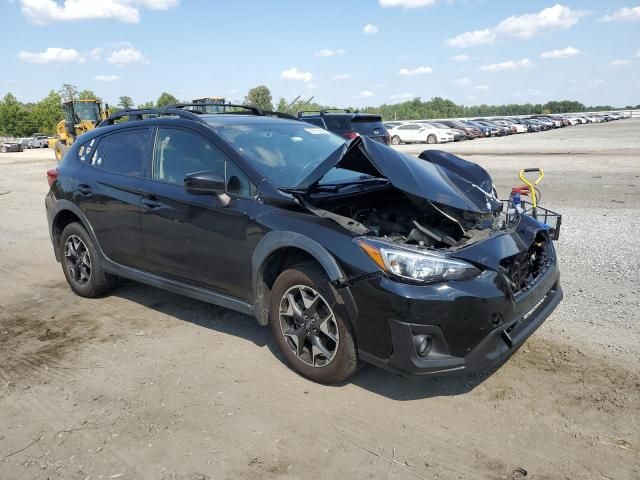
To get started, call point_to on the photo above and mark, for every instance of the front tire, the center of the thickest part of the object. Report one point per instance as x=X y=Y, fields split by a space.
x=309 y=323
x=431 y=139
x=59 y=150
x=395 y=140
x=81 y=263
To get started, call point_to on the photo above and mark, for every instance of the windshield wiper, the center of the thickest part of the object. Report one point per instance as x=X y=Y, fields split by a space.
x=334 y=187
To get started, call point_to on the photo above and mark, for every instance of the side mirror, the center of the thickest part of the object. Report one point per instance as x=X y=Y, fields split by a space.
x=207 y=183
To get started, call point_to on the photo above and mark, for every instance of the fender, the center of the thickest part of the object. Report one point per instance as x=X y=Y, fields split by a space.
x=276 y=240
x=61 y=205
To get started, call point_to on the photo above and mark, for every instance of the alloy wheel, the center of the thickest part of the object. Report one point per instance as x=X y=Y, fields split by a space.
x=77 y=260
x=309 y=326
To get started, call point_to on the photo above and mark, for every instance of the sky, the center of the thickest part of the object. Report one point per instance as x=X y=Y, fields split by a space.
x=356 y=52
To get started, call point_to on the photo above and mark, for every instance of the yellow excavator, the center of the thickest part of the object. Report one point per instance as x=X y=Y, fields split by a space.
x=80 y=116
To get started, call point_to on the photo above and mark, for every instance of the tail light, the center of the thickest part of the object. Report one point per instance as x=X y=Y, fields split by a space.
x=387 y=139
x=52 y=174
x=350 y=135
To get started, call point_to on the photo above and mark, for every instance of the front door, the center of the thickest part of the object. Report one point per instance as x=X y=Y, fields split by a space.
x=194 y=238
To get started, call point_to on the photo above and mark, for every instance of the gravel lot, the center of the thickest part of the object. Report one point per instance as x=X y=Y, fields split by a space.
x=146 y=384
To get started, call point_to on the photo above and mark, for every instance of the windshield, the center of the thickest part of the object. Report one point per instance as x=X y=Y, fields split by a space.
x=86 y=111
x=286 y=153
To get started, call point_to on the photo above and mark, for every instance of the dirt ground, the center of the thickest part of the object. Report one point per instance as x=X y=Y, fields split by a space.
x=143 y=384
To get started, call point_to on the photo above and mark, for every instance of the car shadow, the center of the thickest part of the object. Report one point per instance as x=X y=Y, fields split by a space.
x=227 y=321
x=402 y=388
x=199 y=313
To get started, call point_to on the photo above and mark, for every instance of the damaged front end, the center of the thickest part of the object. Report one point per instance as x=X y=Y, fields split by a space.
x=419 y=218
x=438 y=201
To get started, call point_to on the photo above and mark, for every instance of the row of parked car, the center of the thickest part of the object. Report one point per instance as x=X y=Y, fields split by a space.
x=350 y=124
x=442 y=131
x=20 y=144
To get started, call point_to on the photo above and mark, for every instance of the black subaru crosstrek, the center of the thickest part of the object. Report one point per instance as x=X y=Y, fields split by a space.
x=349 y=251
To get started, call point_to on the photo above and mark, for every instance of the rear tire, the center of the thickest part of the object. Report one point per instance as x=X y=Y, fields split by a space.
x=431 y=139
x=395 y=140
x=309 y=323
x=81 y=263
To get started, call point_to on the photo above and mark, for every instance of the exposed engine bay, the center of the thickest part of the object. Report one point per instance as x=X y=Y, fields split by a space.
x=437 y=200
x=392 y=214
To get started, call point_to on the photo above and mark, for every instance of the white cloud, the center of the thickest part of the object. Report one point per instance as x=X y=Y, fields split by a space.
x=106 y=78
x=563 y=53
x=406 y=3
x=460 y=58
x=402 y=96
x=330 y=53
x=462 y=81
x=624 y=15
x=341 y=76
x=557 y=17
x=406 y=72
x=310 y=86
x=508 y=65
x=126 y=56
x=51 y=55
x=471 y=39
x=638 y=54
x=370 y=29
x=41 y=12
x=481 y=88
x=96 y=54
x=621 y=63
x=296 y=75
x=364 y=94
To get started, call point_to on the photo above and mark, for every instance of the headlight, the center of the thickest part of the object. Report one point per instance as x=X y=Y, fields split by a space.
x=413 y=264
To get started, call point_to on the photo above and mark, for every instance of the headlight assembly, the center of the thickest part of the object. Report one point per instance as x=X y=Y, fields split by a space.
x=414 y=264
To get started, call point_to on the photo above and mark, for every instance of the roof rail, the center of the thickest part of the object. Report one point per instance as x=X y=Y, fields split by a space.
x=324 y=111
x=135 y=114
x=178 y=110
x=252 y=109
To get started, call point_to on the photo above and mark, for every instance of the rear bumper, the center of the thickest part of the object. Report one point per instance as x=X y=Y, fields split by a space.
x=472 y=328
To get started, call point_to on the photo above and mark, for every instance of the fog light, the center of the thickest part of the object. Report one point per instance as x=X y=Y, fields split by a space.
x=422 y=344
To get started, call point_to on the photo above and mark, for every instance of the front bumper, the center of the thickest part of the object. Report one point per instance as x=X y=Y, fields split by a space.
x=472 y=325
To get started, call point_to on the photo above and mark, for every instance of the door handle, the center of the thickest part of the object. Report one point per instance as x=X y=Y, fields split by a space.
x=85 y=189
x=151 y=204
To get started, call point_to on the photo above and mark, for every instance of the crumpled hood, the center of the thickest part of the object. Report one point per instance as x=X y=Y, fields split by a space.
x=439 y=177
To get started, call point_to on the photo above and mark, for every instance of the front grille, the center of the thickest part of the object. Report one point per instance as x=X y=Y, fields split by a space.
x=522 y=269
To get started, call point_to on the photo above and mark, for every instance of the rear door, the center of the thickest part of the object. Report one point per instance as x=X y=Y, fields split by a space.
x=194 y=238
x=107 y=191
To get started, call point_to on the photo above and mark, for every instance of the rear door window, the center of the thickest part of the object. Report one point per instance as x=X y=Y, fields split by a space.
x=122 y=152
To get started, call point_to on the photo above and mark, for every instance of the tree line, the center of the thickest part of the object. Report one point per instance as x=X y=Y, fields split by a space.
x=18 y=119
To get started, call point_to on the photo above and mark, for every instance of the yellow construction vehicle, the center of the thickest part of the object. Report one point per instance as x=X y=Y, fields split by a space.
x=80 y=116
x=209 y=108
